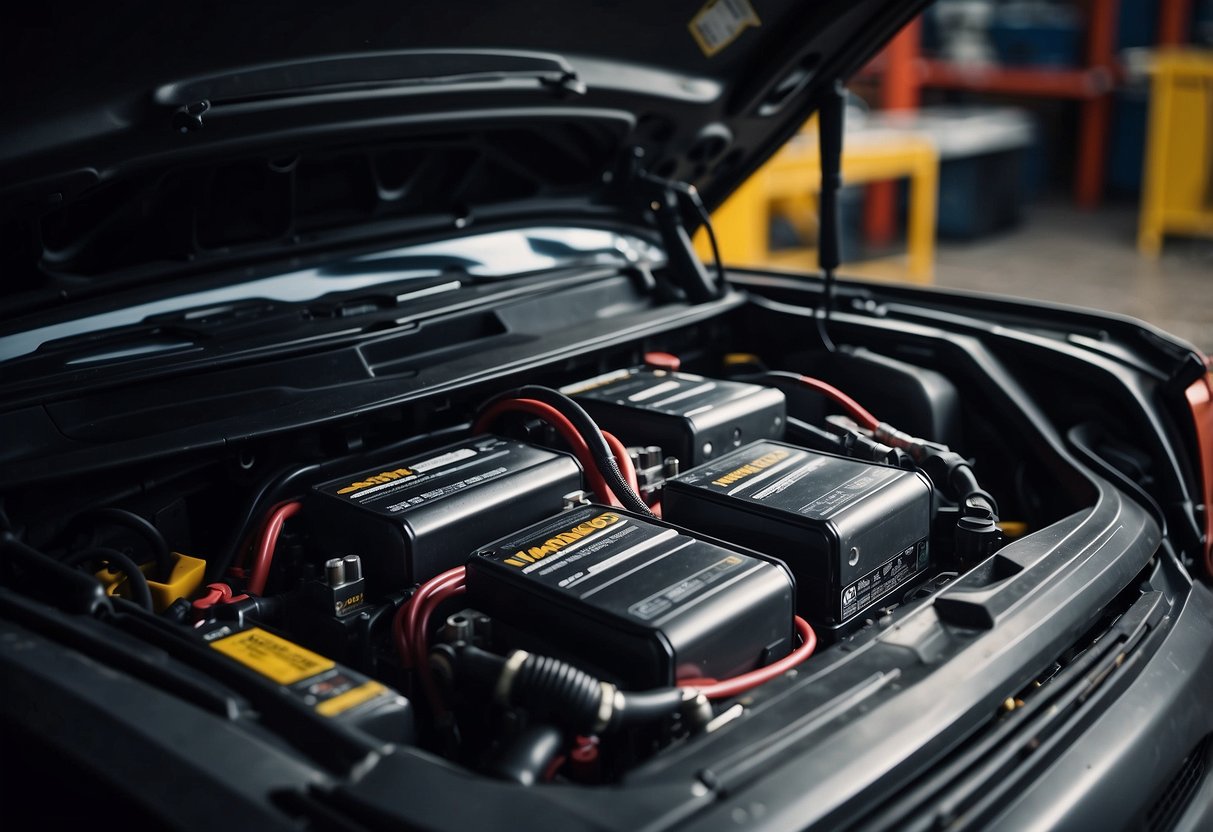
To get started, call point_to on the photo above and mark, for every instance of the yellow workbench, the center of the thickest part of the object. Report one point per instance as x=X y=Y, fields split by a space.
x=1177 y=195
x=786 y=186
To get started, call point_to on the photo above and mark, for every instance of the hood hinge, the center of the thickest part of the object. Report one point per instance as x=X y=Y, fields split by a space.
x=664 y=201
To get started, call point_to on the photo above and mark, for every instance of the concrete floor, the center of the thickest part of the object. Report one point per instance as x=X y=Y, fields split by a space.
x=1090 y=259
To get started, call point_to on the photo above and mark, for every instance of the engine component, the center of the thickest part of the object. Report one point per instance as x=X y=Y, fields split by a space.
x=411 y=520
x=343 y=589
x=632 y=600
x=925 y=401
x=652 y=467
x=691 y=417
x=329 y=689
x=184 y=580
x=852 y=532
x=559 y=693
x=333 y=616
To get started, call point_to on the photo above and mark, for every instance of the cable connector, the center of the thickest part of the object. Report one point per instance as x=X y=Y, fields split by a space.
x=953 y=475
x=977 y=533
x=915 y=446
x=222 y=603
x=216 y=594
x=859 y=446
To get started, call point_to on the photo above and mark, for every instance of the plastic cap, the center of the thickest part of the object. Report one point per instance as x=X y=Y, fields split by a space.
x=662 y=361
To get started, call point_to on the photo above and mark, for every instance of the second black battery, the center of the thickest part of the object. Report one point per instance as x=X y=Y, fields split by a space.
x=689 y=417
x=852 y=532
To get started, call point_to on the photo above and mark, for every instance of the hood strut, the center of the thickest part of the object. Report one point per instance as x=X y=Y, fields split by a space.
x=664 y=200
x=829 y=144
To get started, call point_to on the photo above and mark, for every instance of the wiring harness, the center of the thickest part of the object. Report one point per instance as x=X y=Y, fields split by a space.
x=866 y=437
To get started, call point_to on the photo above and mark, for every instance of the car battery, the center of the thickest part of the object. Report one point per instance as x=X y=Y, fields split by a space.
x=690 y=417
x=410 y=520
x=633 y=600
x=852 y=532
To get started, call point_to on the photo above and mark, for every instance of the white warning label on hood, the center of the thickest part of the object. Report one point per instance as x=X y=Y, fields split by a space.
x=720 y=22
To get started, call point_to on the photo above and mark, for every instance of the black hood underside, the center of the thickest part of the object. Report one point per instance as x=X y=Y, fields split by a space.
x=142 y=140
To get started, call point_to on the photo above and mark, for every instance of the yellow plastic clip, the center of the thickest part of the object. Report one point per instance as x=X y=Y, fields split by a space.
x=185 y=580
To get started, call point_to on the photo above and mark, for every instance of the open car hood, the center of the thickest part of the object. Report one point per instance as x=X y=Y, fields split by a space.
x=154 y=140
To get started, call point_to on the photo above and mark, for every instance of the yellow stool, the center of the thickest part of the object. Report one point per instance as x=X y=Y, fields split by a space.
x=1177 y=196
x=786 y=185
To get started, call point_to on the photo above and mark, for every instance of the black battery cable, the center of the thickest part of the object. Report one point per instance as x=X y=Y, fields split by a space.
x=93 y=518
x=600 y=451
x=141 y=594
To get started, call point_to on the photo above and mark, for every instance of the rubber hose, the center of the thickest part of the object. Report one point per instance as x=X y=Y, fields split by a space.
x=133 y=522
x=556 y=690
x=567 y=693
x=525 y=760
x=647 y=706
x=140 y=592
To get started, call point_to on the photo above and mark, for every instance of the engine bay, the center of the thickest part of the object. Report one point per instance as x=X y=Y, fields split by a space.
x=572 y=581
x=679 y=563
x=388 y=454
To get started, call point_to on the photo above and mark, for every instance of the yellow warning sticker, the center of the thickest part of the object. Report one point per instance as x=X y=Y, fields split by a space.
x=284 y=662
x=719 y=23
x=350 y=699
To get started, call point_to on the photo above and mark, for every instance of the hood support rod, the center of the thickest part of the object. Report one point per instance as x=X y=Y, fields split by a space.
x=829 y=144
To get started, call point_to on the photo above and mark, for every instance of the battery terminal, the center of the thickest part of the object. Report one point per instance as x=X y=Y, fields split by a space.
x=343 y=589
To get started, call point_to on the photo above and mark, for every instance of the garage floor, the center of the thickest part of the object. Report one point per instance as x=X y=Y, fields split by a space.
x=1067 y=256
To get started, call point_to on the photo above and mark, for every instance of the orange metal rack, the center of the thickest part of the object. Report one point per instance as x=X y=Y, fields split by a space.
x=904 y=72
